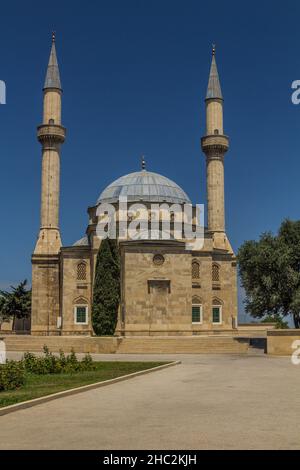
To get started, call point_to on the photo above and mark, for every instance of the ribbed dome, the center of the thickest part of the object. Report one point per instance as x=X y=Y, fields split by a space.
x=144 y=186
x=82 y=242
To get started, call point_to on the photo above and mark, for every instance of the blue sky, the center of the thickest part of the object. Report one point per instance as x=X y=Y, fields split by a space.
x=134 y=75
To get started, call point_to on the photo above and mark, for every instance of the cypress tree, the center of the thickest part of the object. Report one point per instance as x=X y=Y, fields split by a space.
x=106 y=297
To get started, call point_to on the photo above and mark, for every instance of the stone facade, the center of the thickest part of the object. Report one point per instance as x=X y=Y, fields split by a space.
x=158 y=299
x=45 y=294
x=167 y=288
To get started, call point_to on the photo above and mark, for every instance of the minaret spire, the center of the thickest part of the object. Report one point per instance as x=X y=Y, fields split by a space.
x=52 y=76
x=214 y=87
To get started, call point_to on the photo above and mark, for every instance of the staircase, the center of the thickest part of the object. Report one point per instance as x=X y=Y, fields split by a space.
x=131 y=345
x=80 y=344
x=183 y=345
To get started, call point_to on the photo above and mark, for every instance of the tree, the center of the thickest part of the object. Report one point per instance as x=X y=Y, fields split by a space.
x=270 y=273
x=106 y=297
x=278 y=320
x=17 y=302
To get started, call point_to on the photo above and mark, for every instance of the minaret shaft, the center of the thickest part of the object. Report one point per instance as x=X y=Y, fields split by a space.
x=214 y=117
x=214 y=145
x=215 y=195
x=51 y=161
x=50 y=189
x=51 y=135
x=52 y=106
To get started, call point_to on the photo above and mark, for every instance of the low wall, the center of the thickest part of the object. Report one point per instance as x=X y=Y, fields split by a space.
x=280 y=342
x=255 y=330
x=6 y=328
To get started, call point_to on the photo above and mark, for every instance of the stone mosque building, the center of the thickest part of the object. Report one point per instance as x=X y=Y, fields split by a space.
x=166 y=288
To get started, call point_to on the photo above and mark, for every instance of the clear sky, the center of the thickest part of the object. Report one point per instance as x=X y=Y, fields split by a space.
x=134 y=75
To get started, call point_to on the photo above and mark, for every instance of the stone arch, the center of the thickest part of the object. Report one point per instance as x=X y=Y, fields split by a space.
x=80 y=301
x=196 y=300
x=217 y=302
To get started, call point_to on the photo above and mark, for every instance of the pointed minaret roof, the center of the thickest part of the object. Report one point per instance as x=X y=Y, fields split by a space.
x=52 y=76
x=214 y=87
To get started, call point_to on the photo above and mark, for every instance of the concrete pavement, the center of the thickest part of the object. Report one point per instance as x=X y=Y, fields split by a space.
x=207 y=402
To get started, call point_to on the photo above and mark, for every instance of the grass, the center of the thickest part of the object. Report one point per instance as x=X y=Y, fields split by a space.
x=40 y=385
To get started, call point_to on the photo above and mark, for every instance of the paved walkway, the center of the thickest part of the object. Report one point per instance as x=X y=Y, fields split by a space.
x=207 y=402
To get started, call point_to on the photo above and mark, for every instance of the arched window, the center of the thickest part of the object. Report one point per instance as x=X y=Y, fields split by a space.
x=215 y=273
x=81 y=271
x=195 y=270
x=217 y=312
x=196 y=310
x=81 y=311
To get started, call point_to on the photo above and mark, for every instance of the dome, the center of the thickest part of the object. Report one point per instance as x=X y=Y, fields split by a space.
x=144 y=186
x=82 y=242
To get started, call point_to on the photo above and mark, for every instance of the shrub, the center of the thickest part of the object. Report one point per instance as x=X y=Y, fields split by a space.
x=38 y=365
x=87 y=363
x=72 y=364
x=12 y=375
x=62 y=359
x=33 y=364
x=51 y=364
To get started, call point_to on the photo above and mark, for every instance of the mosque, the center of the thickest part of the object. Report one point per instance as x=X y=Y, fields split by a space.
x=167 y=287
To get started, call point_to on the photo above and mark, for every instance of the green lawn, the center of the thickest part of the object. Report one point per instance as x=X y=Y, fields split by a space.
x=41 y=385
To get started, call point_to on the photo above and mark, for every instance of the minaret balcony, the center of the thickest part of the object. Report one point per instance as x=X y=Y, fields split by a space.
x=215 y=144
x=48 y=133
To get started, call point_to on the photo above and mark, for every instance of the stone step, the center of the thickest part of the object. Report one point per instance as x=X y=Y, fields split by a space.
x=183 y=345
x=132 y=345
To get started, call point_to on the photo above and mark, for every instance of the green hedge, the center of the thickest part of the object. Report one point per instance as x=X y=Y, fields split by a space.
x=51 y=364
x=12 y=375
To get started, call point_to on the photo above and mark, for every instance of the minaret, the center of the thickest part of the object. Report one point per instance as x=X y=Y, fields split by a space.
x=51 y=135
x=45 y=315
x=214 y=145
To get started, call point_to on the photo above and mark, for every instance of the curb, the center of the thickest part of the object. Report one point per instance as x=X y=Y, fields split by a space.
x=85 y=388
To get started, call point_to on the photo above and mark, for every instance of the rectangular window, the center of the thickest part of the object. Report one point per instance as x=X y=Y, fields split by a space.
x=216 y=315
x=197 y=314
x=81 y=315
